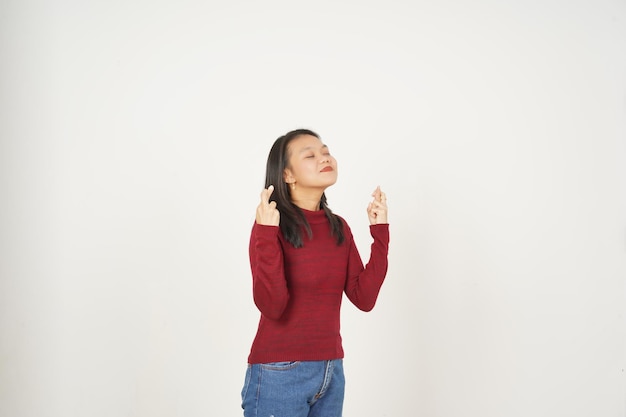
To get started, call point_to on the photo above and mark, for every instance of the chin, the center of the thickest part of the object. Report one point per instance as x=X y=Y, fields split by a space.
x=331 y=182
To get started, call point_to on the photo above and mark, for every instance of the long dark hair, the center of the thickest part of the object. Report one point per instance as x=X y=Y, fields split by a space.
x=292 y=219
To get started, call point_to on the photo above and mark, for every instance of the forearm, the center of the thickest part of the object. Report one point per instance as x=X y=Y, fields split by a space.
x=269 y=286
x=364 y=283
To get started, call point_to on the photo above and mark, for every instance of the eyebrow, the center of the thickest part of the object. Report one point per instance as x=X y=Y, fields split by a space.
x=309 y=148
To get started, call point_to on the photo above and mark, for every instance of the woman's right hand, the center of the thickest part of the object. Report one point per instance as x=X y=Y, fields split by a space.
x=266 y=213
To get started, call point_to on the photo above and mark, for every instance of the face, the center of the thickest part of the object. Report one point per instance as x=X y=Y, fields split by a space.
x=310 y=164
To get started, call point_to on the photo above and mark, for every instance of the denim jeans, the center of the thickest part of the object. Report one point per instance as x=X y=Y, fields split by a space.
x=294 y=389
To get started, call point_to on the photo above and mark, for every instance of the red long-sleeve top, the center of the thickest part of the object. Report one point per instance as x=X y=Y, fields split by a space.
x=299 y=290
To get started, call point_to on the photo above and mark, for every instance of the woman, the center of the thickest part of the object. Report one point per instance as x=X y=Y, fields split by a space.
x=303 y=258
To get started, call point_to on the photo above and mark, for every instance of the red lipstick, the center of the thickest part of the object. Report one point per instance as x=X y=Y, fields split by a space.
x=327 y=169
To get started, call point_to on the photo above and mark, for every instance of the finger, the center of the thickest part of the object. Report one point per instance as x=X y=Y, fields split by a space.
x=379 y=205
x=376 y=193
x=266 y=193
x=376 y=212
x=272 y=205
x=379 y=211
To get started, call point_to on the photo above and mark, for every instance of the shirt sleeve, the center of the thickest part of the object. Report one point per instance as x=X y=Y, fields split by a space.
x=363 y=283
x=269 y=286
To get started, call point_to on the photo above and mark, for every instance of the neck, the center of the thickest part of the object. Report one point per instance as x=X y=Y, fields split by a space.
x=307 y=199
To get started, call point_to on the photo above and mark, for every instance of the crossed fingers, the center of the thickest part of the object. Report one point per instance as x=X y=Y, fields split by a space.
x=266 y=212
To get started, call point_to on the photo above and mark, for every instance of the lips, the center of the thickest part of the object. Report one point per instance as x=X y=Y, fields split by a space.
x=327 y=169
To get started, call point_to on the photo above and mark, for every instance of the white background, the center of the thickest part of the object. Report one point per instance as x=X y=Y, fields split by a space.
x=133 y=143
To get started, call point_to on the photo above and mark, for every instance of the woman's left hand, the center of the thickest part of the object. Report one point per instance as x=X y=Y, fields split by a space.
x=377 y=209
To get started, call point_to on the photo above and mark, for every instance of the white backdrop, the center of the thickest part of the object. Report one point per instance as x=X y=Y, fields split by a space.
x=133 y=143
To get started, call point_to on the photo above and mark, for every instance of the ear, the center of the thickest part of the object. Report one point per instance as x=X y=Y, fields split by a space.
x=288 y=176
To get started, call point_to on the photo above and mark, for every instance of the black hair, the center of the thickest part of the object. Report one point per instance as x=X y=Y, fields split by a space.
x=292 y=220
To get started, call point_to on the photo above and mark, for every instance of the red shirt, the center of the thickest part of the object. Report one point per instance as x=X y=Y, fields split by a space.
x=299 y=290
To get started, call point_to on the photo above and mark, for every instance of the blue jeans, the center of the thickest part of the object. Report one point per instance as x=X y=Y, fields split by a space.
x=294 y=389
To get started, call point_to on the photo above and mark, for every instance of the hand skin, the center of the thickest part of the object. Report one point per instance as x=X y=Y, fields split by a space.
x=266 y=212
x=377 y=209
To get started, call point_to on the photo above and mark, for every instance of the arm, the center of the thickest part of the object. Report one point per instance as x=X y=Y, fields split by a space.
x=364 y=283
x=269 y=287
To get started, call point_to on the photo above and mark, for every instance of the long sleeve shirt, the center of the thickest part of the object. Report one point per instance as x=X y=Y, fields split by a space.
x=299 y=290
